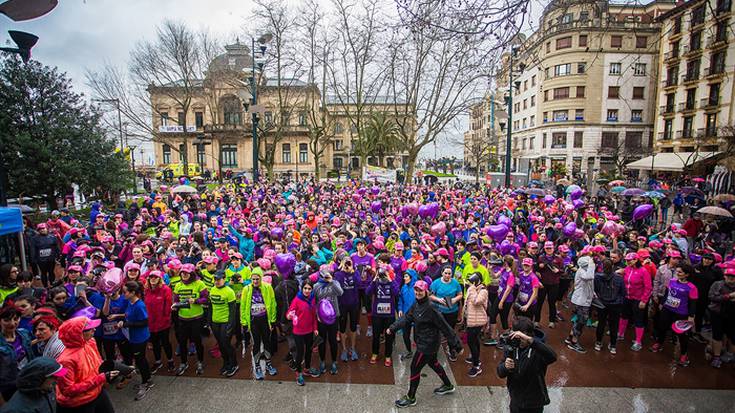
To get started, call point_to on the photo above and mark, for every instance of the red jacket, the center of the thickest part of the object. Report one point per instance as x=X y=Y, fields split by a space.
x=83 y=382
x=305 y=321
x=158 y=302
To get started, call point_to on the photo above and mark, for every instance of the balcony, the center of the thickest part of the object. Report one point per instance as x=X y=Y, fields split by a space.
x=715 y=70
x=612 y=118
x=710 y=132
x=709 y=103
x=671 y=55
x=222 y=127
x=686 y=106
x=670 y=82
x=664 y=137
x=176 y=129
x=692 y=76
x=558 y=146
x=666 y=110
x=716 y=41
x=684 y=134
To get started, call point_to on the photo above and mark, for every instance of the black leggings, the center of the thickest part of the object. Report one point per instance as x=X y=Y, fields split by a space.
x=503 y=313
x=137 y=352
x=261 y=334
x=101 y=404
x=667 y=318
x=225 y=344
x=46 y=269
x=407 y=336
x=473 y=341
x=380 y=324
x=610 y=315
x=353 y=314
x=631 y=311
x=529 y=314
x=366 y=300
x=110 y=356
x=417 y=364
x=552 y=292
x=190 y=330
x=329 y=333
x=303 y=350
x=160 y=340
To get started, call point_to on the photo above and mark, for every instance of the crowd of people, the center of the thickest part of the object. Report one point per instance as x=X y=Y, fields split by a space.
x=291 y=266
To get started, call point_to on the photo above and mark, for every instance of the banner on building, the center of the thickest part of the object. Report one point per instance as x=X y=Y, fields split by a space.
x=374 y=173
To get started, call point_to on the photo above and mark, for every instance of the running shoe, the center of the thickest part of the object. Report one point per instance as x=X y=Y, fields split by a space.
x=612 y=349
x=322 y=368
x=364 y=311
x=474 y=371
x=333 y=369
x=444 y=389
x=259 y=373
x=270 y=369
x=406 y=356
x=568 y=341
x=490 y=342
x=170 y=366
x=699 y=338
x=354 y=356
x=727 y=357
x=388 y=362
x=716 y=362
x=552 y=325
x=656 y=348
x=621 y=339
x=231 y=372
x=598 y=346
x=452 y=356
x=313 y=372
x=636 y=346
x=200 y=368
x=577 y=347
x=223 y=370
x=299 y=379
x=406 y=401
x=156 y=366
x=182 y=369
x=559 y=317
x=369 y=331
x=684 y=360
x=345 y=356
x=373 y=359
x=143 y=390
x=468 y=360
x=292 y=365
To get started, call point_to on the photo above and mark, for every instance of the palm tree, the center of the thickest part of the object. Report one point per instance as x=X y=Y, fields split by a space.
x=379 y=138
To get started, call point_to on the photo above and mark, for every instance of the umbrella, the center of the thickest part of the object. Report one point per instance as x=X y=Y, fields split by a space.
x=571 y=188
x=602 y=181
x=25 y=209
x=535 y=182
x=633 y=192
x=184 y=189
x=564 y=181
x=697 y=179
x=690 y=190
x=535 y=191
x=717 y=211
x=724 y=197
x=654 y=194
x=617 y=189
x=617 y=182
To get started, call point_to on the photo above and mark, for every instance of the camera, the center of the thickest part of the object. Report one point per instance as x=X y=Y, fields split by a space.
x=509 y=345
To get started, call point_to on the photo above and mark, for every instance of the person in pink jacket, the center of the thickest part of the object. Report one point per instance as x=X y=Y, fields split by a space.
x=475 y=312
x=302 y=313
x=638 y=287
x=158 y=299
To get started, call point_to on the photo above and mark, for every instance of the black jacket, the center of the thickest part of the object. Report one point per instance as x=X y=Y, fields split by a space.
x=44 y=248
x=429 y=326
x=527 y=381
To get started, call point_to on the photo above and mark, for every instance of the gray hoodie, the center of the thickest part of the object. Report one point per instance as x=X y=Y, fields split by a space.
x=584 y=282
x=330 y=291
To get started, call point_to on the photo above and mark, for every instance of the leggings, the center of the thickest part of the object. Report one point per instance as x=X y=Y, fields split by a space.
x=329 y=333
x=353 y=314
x=552 y=292
x=418 y=363
x=667 y=318
x=303 y=350
x=632 y=312
x=160 y=340
x=380 y=324
x=101 y=404
x=610 y=315
x=190 y=330
x=701 y=312
x=473 y=341
x=503 y=313
x=46 y=269
x=261 y=334
x=407 y=336
x=137 y=351
x=109 y=347
x=366 y=300
x=225 y=344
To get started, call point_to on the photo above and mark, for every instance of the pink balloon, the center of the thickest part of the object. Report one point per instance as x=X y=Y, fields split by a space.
x=413 y=208
x=608 y=228
x=578 y=234
x=110 y=281
x=438 y=229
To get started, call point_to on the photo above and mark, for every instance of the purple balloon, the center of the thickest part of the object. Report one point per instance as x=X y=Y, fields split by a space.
x=413 y=208
x=578 y=234
x=362 y=190
x=578 y=203
x=576 y=193
x=549 y=199
x=326 y=312
x=375 y=190
x=642 y=212
x=404 y=211
x=285 y=264
x=376 y=206
x=506 y=247
x=89 y=312
x=277 y=233
x=424 y=211
x=497 y=232
x=569 y=229
x=504 y=220
x=433 y=209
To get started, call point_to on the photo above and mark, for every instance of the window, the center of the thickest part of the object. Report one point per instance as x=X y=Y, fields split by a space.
x=525 y=104
x=566 y=18
x=614 y=68
x=698 y=16
x=164 y=120
x=546 y=118
x=302 y=119
x=613 y=92
x=670 y=100
x=564 y=43
x=338 y=128
x=674 y=46
x=581 y=66
x=641 y=42
x=636 y=115
x=531 y=142
x=286 y=153
x=723 y=6
x=639 y=69
x=558 y=140
x=229 y=156
x=721 y=33
x=711 y=124
x=285 y=119
x=691 y=99
x=303 y=153
x=677 y=25
x=692 y=72
x=609 y=140
x=338 y=162
x=546 y=95
x=548 y=47
x=525 y=125
x=268 y=118
x=525 y=85
x=639 y=92
x=533 y=100
x=166 y=150
x=182 y=151
x=612 y=115
x=181 y=118
x=633 y=140
x=582 y=40
x=543 y=140
x=584 y=16
x=200 y=154
x=717 y=63
x=580 y=91
x=533 y=80
x=714 y=94
x=563 y=70
x=338 y=144
x=616 y=41
x=561 y=93
x=668 y=129
x=579 y=114
x=578 y=138
x=671 y=76
x=687 y=124
x=695 y=41
x=199 y=119
x=561 y=115
x=523 y=145
x=532 y=122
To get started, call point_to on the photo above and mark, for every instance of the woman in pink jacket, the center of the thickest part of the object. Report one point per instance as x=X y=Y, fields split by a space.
x=158 y=300
x=638 y=287
x=303 y=314
x=475 y=312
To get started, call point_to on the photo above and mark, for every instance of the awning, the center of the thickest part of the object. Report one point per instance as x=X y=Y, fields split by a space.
x=670 y=161
x=11 y=221
x=531 y=157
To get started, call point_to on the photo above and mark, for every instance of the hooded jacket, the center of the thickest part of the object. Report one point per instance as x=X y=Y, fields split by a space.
x=584 y=288
x=30 y=398
x=475 y=306
x=406 y=298
x=305 y=311
x=328 y=291
x=83 y=382
x=8 y=362
x=430 y=325
x=609 y=288
x=246 y=301
x=158 y=302
x=526 y=382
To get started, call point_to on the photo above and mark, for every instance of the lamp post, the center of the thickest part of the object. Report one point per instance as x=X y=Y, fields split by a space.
x=262 y=40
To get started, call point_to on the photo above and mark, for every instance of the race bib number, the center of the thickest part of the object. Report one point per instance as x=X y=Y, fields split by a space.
x=672 y=302
x=257 y=308
x=383 y=308
x=110 y=328
x=44 y=253
x=523 y=297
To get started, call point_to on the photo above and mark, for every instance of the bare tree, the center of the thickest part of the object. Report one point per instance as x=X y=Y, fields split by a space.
x=479 y=150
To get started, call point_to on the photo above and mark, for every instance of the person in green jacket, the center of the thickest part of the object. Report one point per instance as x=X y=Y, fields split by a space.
x=208 y=268
x=224 y=313
x=475 y=266
x=258 y=315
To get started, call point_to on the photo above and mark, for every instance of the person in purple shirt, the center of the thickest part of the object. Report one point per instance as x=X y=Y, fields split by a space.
x=349 y=307
x=384 y=293
x=364 y=264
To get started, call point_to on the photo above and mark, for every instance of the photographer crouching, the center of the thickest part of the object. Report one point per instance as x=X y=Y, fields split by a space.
x=526 y=359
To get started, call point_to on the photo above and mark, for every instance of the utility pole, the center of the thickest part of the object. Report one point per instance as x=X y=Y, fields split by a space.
x=255 y=119
x=509 y=101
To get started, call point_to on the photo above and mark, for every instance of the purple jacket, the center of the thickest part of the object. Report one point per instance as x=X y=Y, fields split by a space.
x=350 y=297
x=385 y=295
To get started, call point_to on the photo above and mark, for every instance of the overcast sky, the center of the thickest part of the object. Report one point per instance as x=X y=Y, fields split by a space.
x=79 y=35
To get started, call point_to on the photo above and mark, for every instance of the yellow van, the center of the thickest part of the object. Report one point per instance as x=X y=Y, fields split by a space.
x=178 y=168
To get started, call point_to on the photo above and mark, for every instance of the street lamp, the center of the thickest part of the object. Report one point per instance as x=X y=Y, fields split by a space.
x=24 y=41
x=116 y=101
x=509 y=101
x=262 y=40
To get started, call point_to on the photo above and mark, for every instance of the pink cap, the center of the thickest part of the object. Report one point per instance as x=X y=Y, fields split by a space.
x=442 y=251
x=398 y=245
x=76 y=268
x=674 y=254
x=264 y=263
x=563 y=248
x=730 y=271
x=210 y=260
x=108 y=238
x=549 y=244
x=682 y=232
x=41 y=226
x=91 y=324
x=60 y=372
x=421 y=285
x=132 y=266
x=642 y=254
x=174 y=264
x=188 y=268
x=155 y=273
x=236 y=255
x=533 y=244
x=631 y=256
x=527 y=261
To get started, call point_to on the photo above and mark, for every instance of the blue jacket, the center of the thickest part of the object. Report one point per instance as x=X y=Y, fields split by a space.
x=245 y=245
x=8 y=362
x=406 y=298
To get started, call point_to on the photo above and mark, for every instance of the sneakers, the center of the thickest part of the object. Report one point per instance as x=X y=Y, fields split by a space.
x=156 y=366
x=568 y=341
x=444 y=389
x=405 y=401
x=598 y=346
x=452 y=356
x=270 y=369
x=621 y=339
x=388 y=362
x=369 y=331
x=552 y=325
x=407 y=355
x=182 y=369
x=699 y=339
x=232 y=371
x=299 y=379
x=344 y=356
x=684 y=360
x=322 y=368
x=143 y=390
x=577 y=347
x=292 y=365
x=490 y=342
x=612 y=349
x=716 y=362
x=333 y=369
x=200 y=368
x=468 y=360
x=258 y=373
x=170 y=366
x=636 y=346
x=313 y=372
x=373 y=359
x=474 y=371
x=353 y=355
x=656 y=348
